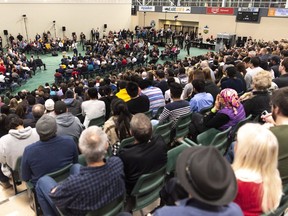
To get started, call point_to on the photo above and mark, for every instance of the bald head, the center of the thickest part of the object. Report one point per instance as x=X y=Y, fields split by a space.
x=38 y=111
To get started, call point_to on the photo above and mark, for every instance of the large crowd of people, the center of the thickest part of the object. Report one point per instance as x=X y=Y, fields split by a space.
x=51 y=125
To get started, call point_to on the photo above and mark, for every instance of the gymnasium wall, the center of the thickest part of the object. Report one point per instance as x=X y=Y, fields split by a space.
x=83 y=15
x=269 y=28
x=76 y=17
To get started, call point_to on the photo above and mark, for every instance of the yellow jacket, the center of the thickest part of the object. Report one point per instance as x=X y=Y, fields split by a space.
x=122 y=94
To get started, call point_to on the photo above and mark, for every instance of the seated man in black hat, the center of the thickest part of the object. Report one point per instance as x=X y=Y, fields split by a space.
x=210 y=182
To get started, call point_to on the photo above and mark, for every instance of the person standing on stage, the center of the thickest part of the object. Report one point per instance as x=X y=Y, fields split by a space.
x=187 y=43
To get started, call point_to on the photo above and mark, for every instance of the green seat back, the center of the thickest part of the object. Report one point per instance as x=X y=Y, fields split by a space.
x=80 y=117
x=280 y=210
x=159 y=111
x=283 y=203
x=182 y=126
x=239 y=124
x=221 y=139
x=165 y=131
x=15 y=173
x=97 y=121
x=111 y=209
x=190 y=142
x=127 y=141
x=61 y=174
x=149 y=114
x=33 y=202
x=204 y=110
x=82 y=160
x=207 y=136
x=172 y=156
x=147 y=188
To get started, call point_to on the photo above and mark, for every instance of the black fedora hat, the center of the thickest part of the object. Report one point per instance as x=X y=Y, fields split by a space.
x=206 y=175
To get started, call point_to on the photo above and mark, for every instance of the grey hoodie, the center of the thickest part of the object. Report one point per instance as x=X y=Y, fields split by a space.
x=67 y=124
x=73 y=105
x=12 y=145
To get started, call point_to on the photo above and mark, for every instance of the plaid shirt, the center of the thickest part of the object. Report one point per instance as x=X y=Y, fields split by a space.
x=91 y=189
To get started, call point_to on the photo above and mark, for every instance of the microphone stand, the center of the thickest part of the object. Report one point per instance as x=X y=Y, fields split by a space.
x=24 y=18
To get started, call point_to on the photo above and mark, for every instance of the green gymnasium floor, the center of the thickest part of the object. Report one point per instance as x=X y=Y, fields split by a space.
x=52 y=63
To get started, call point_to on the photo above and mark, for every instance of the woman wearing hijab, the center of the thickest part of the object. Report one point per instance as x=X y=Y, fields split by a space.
x=227 y=112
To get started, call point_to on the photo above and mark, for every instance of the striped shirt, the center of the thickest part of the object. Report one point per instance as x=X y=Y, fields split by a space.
x=173 y=111
x=156 y=98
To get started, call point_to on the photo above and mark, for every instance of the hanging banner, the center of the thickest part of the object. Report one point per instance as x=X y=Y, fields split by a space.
x=220 y=10
x=147 y=8
x=176 y=9
x=278 y=12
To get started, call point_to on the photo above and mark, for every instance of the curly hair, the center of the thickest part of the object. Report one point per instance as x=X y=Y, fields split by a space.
x=262 y=80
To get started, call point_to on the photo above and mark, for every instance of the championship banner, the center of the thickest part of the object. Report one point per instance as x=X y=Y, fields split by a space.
x=220 y=10
x=278 y=12
x=147 y=8
x=176 y=9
